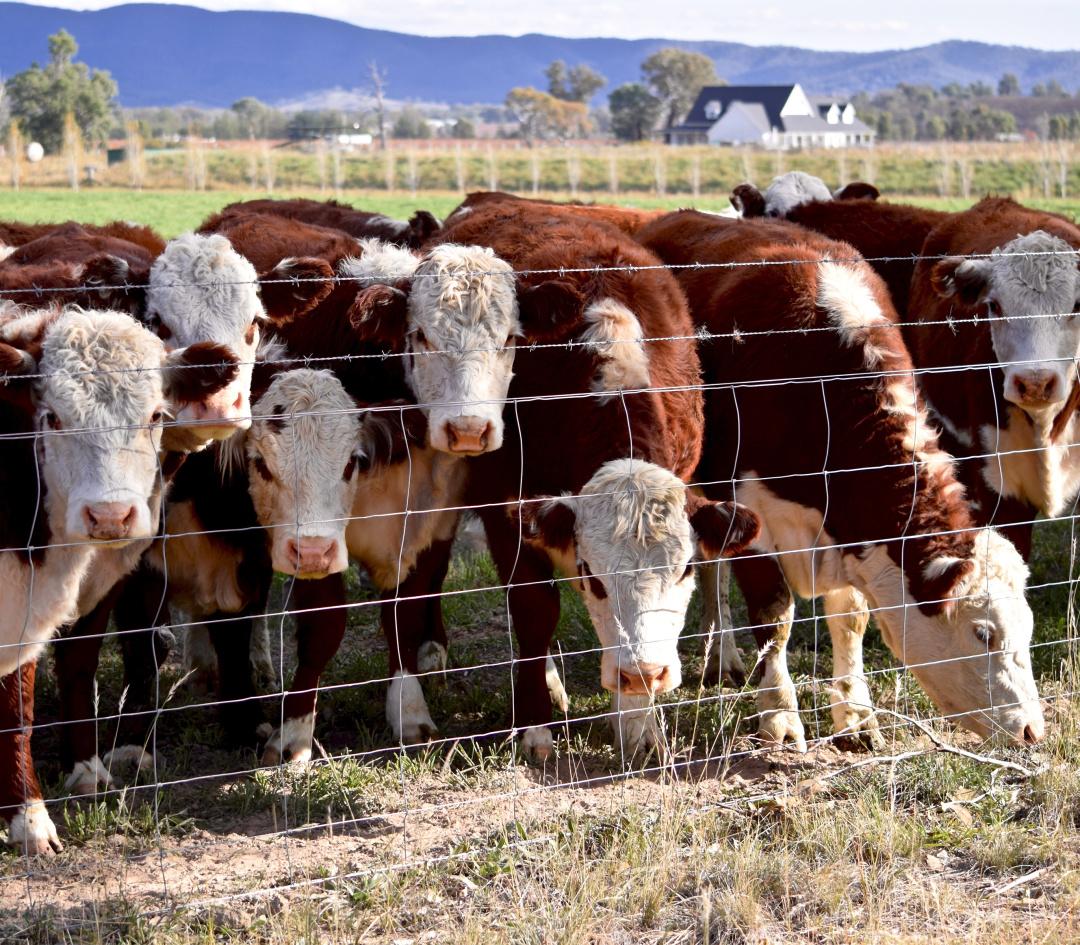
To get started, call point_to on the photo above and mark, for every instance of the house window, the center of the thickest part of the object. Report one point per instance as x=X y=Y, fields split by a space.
x=712 y=110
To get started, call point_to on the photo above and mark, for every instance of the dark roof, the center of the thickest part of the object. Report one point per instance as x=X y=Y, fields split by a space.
x=771 y=97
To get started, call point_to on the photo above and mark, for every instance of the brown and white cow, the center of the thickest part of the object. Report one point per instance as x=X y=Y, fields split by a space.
x=593 y=462
x=361 y=224
x=826 y=440
x=84 y=397
x=627 y=219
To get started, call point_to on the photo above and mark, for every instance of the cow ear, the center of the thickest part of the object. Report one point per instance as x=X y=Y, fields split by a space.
x=967 y=279
x=422 y=226
x=198 y=371
x=17 y=370
x=857 y=190
x=398 y=432
x=723 y=529
x=748 y=200
x=106 y=272
x=548 y=310
x=547 y=522
x=947 y=581
x=294 y=287
x=380 y=313
x=263 y=374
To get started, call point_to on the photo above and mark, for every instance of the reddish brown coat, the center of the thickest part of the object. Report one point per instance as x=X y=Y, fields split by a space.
x=627 y=219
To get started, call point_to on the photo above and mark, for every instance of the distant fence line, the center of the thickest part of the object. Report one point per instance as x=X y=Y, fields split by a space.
x=1048 y=169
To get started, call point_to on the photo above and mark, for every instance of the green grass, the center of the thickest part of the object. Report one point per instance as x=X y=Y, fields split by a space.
x=174 y=212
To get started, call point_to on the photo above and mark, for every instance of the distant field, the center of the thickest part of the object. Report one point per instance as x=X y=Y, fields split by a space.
x=174 y=211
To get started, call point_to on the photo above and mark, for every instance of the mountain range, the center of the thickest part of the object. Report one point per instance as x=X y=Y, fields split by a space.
x=171 y=55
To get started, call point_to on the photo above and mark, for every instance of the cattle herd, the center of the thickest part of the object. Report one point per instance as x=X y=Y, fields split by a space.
x=850 y=399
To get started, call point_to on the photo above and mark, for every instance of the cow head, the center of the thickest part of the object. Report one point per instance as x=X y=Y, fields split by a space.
x=308 y=449
x=98 y=385
x=632 y=534
x=789 y=191
x=967 y=639
x=202 y=290
x=457 y=312
x=1030 y=290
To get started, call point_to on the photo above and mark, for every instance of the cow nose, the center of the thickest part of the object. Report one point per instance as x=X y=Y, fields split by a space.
x=643 y=679
x=1034 y=733
x=311 y=555
x=1035 y=388
x=468 y=434
x=108 y=521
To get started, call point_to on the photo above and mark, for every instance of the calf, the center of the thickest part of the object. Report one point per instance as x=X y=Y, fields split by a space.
x=83 y=401
x=411 y=233
x=867 y=508
x=583 y=424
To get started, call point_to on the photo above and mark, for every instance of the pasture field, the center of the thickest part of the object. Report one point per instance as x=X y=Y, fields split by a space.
x=934 y=838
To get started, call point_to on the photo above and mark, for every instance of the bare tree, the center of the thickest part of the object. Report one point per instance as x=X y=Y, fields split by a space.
x=378 y=86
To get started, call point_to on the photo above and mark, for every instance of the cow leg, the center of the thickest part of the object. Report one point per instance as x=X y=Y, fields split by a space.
x=318 y=635
x=723 y=661
x=231 y=635
x=142 y=617
x=75 y=662
x=772 y=610
x=854 y=720
x=262 y=658
x=430 y=571
x=555 y=687
x=533 y=600
x=200 y=659
x=29 y=826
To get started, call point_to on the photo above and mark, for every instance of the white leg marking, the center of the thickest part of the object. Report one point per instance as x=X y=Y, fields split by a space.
x=847 y=614
x=134 y=755
x=722 y=657
x=33 y=832
x=431 y=657
x=776 y=697
x=407 y=711
x=555 y=686
x=291 y=743
x=88 y=777
x=537 y=744
x=635 y=725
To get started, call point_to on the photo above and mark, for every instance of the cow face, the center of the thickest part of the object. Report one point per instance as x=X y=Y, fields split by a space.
x=632 y=538
x=308 y=449
x=100 y=392
x=458 y=313
x=1031 y=301
x=968 y=644
x=792 y=190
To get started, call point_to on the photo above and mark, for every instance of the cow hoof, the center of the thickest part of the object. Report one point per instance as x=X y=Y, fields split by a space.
x=856 y=728
x=88 y=777
x=290 y=744
x=431 y=658
x=725 y=664
x=407 y=712
x=779 y=726
x=537 y=744
x=555 y=686
x=33 y=832
x=134 y=755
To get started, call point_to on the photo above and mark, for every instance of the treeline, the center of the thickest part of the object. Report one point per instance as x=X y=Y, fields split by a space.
x=974 y=112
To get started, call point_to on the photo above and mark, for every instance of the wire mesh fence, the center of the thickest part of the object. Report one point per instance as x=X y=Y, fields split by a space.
x=345 y=652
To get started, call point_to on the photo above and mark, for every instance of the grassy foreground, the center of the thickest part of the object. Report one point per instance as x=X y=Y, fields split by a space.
x=173 y=212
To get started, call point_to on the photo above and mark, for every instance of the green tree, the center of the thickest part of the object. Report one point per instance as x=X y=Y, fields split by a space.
x=577 y=84
x=410 y=124
x=936 y=128
x=252 y=115
x=634 y=112
x=1055 y=89
x=1038 y=90
x=1008 y=84
x=676 y=77
x=463 y=128
x=41 y=96
x=544 y=116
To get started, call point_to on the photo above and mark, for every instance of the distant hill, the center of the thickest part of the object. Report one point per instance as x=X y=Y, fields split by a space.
x=171 y=55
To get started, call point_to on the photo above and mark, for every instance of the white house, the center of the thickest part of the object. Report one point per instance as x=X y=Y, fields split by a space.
x=771 y=116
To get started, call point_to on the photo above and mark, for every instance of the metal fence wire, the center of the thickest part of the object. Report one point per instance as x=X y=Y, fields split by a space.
x=367 y=800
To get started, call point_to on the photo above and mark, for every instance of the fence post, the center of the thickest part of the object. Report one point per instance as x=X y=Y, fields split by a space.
x=135 y=155
x=613 y=172
x=15 y=149
x=535 y=171
x=72 y=149
x=459 y=168
x=389 y=169
x=660 y=172
x=695 y=175
x=492 y=169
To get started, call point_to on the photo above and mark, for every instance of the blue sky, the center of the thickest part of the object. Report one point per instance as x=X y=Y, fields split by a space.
x=819 y=24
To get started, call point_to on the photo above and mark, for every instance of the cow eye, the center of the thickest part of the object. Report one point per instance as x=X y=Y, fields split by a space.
x=993 y=309
x=262 y=469
x=982 y=633
x=51 y=420
x=157 y=417
x=249 y=338
x=163 y=331
x=689 y=572
x=595 y=585
x=420 y=339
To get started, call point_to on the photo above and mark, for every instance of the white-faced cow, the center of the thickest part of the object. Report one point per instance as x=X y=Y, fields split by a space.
x=866 y=509
x=84 y=397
